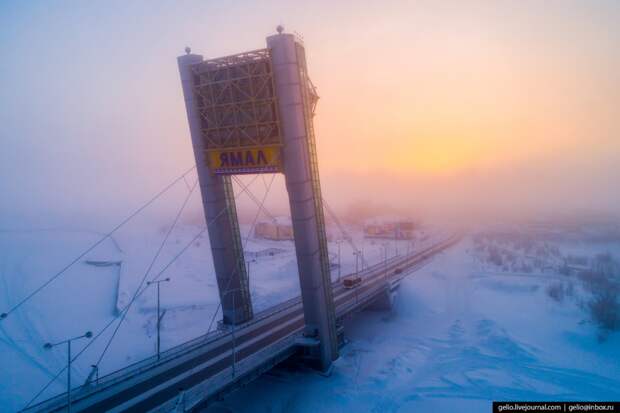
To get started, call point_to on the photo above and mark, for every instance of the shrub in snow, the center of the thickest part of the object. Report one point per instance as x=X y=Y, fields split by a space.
x=603 y=281
x=563 y=269
x=556 y=291
x=577 y=260
x=605 y=264
x=605 y=310
x=495 y=257
x=510 y=256
x=598 y=281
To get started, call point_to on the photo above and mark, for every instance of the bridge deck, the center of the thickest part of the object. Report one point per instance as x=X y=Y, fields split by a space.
x=203 y=367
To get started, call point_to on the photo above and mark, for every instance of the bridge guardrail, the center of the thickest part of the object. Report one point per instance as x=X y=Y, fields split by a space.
x=139 y=367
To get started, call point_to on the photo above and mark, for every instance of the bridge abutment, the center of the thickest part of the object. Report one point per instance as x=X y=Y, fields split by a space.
x=384 y=302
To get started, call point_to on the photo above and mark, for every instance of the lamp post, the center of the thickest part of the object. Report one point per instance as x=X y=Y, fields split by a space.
x=362 y=257
x=395 y=245
x=234 y=356
x=159 y=317
x=356 y=253
x=385 y=259
x=48 y=346
x=96 y=371
x=247 y=270
x=339 y=262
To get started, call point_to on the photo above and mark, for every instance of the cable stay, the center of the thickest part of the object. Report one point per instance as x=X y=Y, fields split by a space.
x=148 y=270
x=256 y=201
x=95 y=245
x=245 y=242
x=345 y=234
x=126 y=308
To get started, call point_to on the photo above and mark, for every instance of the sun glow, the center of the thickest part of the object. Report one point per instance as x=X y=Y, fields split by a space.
x=435 y=155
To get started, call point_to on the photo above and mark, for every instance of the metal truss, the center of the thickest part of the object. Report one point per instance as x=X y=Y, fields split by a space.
x=310 y=98
x=237 y=100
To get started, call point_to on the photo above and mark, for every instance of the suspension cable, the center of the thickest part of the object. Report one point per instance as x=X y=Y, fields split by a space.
x=347 y=237
x=97 y=243
x=234 y=269
x=148 y=270
x=138 y=291
x=247 y=237
x=256 y=201
x=90 y=342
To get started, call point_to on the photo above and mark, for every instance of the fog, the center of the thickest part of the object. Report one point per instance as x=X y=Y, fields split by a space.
x=434 y=110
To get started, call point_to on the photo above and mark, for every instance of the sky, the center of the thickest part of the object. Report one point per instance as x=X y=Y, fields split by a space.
x=440 y=109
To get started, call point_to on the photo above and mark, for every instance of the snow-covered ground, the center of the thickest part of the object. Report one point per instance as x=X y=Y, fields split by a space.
x=89 y=295
x=456 y=339
x=460 y=334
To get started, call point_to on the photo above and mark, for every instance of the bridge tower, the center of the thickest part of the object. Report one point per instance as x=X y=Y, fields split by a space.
x=253 y=113
x=219 y=208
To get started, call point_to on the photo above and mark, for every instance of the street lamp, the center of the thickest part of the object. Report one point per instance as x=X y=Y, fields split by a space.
x=233 y=326
x=48 y=346
x=96 y=371
x=395 y=245
x=159 y=317
x=247 y=267
x=339 y=262
x=385 y=258
x=362 y=257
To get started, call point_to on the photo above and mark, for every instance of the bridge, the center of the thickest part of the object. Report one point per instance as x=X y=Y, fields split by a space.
x=206 y=368
x=250 y=113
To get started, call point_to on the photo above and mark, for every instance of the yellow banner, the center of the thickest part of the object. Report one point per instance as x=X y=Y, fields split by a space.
x=257 y=160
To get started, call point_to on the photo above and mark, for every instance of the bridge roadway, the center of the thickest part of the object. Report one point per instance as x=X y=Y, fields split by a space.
x=202 y=369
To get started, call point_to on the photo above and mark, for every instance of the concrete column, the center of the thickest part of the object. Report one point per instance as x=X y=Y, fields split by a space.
x=302 y=183
x=220 y=211
x=384 y=302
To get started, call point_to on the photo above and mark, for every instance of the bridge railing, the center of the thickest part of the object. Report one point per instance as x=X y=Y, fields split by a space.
x=140 y=367
x=151 y=362
x=362 y=299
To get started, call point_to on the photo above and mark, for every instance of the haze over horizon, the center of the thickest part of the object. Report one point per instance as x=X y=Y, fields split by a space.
x=446 y=109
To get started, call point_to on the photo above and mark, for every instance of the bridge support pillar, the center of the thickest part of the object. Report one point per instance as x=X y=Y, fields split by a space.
x=296 y=98
x=220 y=212
x=384 y=302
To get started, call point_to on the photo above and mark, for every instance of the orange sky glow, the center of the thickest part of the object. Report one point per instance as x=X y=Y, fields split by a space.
x=507 y=103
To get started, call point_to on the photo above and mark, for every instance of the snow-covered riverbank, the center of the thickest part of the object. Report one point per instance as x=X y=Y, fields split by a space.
x=456 y=340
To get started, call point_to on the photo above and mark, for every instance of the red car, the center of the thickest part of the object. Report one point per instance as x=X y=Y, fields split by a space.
x=351 y=281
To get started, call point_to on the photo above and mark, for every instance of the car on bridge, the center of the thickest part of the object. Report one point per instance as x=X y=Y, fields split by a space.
x=351 y=281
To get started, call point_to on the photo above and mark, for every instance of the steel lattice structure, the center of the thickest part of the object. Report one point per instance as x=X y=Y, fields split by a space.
x=237 y=101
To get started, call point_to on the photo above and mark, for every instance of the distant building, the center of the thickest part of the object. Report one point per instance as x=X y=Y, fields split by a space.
x=392 y=228
x=279 y=229
x=267 y=252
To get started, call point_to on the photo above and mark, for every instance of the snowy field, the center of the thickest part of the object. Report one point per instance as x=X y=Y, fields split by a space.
x=480 y=322
x=457 y=338
x=90 y=294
